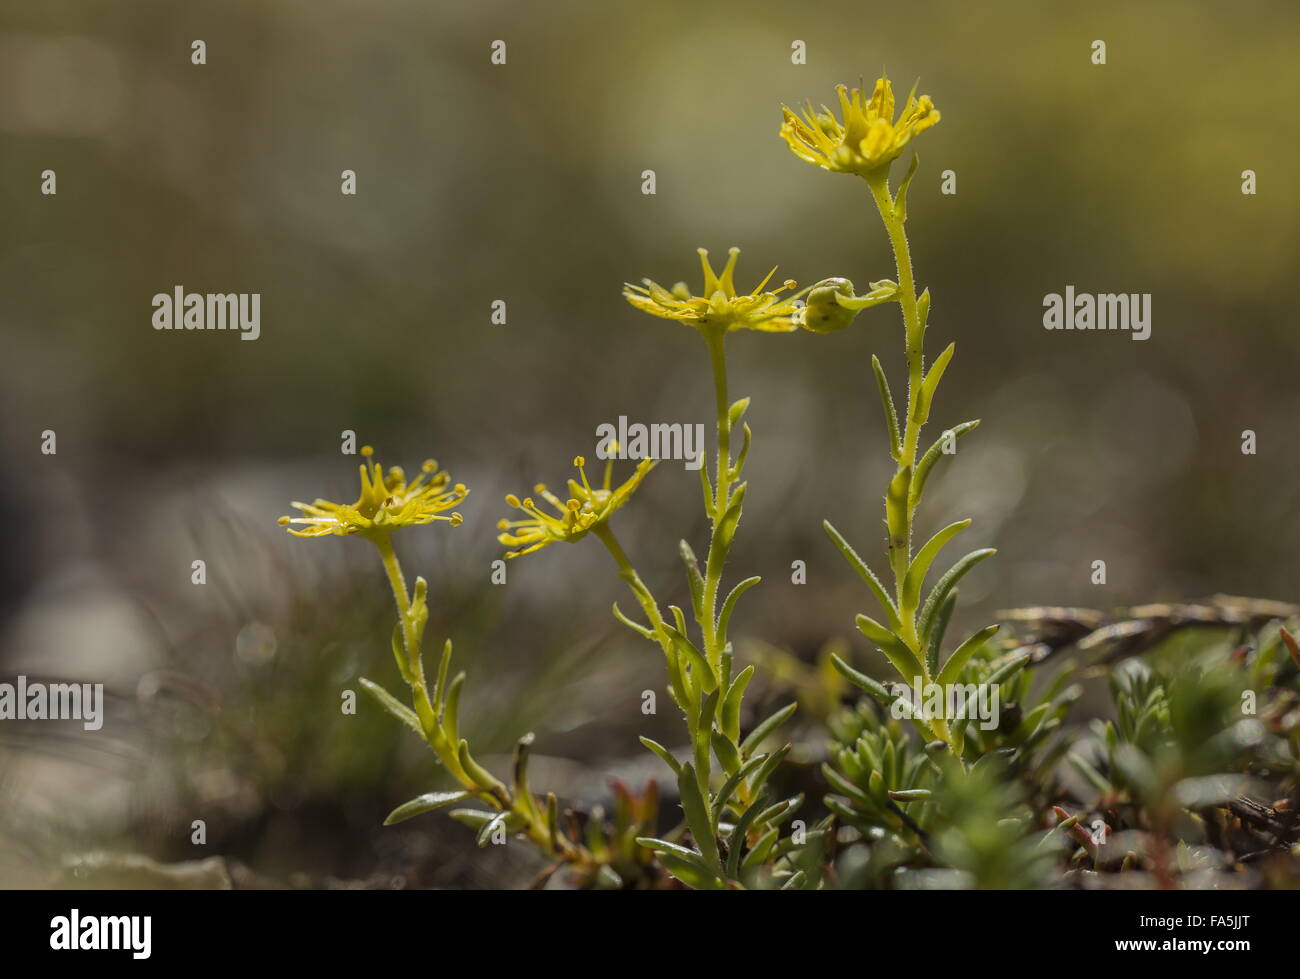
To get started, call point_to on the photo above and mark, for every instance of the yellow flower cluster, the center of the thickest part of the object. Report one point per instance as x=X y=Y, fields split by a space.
x=868 y=138
x=585 y=510
x=387 y=503
x=719 y=307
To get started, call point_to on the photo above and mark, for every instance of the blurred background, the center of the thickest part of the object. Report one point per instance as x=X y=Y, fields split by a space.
x=522 y=182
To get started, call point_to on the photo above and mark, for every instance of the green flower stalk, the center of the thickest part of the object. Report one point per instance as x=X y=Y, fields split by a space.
x=865 y=143
x=734 y=827
x=703 y=684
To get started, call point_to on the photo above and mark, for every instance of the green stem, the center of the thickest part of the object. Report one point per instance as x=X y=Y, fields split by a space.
x=411 y=638
x=900 y=536
x=642 y=593
x=717 y=556
x=651 y=609
x=535 y=826
x=719 y=545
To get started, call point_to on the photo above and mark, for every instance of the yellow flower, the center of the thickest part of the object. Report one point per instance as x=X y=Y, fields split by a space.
x=387 y=503
x=719 y=307
x=586 y=509
x=868 y=138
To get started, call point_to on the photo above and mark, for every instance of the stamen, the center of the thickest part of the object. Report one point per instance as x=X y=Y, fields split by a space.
x=581 y=463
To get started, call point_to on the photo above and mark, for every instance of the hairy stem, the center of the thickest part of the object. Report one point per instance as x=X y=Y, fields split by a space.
x=718 y=547
x=651 y=608
x=900 y=520
x=900 y=506
x=534 y=826
x=411 y=638
x=639 y=589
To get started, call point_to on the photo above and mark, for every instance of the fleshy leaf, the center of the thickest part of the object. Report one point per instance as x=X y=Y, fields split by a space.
x=422 y=804
x=945 y=584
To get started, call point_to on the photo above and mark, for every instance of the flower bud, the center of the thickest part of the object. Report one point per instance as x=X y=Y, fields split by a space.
x=822 y=313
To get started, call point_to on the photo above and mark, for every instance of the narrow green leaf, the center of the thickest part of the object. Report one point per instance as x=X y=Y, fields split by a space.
x=932 y=455
x=1032 y=721
x=730 y=719
x=1009 y=669
x=486 y=832
x=440 y=685
x=874 y=631
x=693 y=576
x=746 y=437
x=890 y=768
x=862 y=681
x=735 y=412
x=679 y=617
x=1003 y=673
x=697 y=659
x=865 y=572
x=520 y=772
x=887 y=401
x=690 y=874
x=1097 y=780
x=726 y=527
x=843 y=786
x=945 y=584
x=757 y=735
x=553 y=819
x=952 y=669
x=697 y=815
x=634 y=626
x=897 y=513
x=664 y=754
x=676 y=849
x=725 y=752
x=920 y=565
x=892 y=647
x=841 y=808
x=451 y=708
x=422 y=804
x=736 y=842
x=938 y=628
x=729 y=604
x=475 y=819
x=398 y=641
x=705 y=485
x=932 y=378
x=758 y=855
x=777 y=813
x=481 y=776
x=729 y=786
x=763 y=774
x=393 y=705
x=703 y=732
